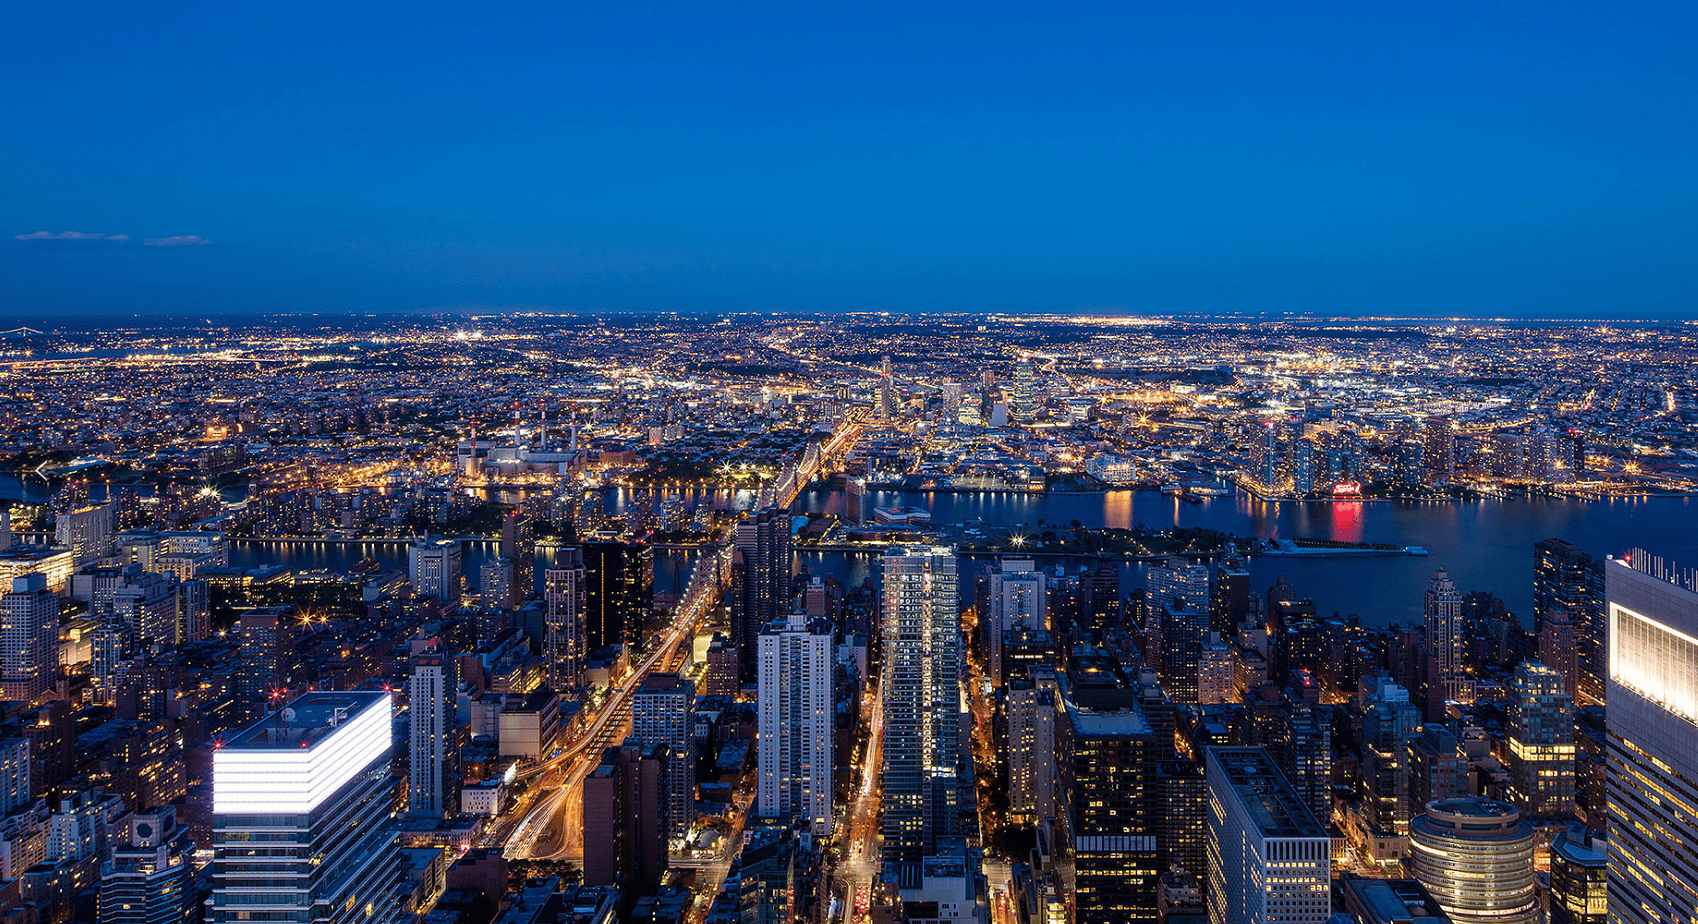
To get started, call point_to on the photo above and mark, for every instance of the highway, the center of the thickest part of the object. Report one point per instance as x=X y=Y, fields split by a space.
x=610 y=724
x=857 y=871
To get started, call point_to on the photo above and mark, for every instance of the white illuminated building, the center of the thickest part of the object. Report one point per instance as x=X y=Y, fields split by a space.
x=302 y=822
x=795 y=722
x=1651 y=766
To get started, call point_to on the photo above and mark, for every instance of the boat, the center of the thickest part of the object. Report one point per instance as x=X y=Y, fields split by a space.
x=1190 y=498
x=1414 y=550
x=902 y=515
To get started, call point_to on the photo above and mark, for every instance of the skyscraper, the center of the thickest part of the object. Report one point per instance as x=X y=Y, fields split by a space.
x=563 y=592
x=1388 y=725
x=433 y=568
x=795 y=711
x=147 y=879
x=433 y=752
x=1579 y=877
x=1229 y=598
x=1031 y=745
x=497 y=583
x=87 y=532
x=519 y=545
x=29 y=639
x=1020 y=398
x=922 y=700
x=1107 y=752
x=661 y=713
x=1017 y=599
x=1567 y=579
x=618 y=592
x=1651 y=765
x=312 y=785
x=1476 y=858
x=1445 y=639
x=1270 y=860
x=1541 y=742
x=760 y=584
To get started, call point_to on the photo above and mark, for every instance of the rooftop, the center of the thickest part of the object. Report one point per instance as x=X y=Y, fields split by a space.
x=307 y=720
x=1270 y=800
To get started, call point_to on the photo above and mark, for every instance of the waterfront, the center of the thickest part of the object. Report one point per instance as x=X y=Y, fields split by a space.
x=1484 y=544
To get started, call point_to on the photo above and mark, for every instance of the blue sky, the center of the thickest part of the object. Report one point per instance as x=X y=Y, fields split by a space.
x=1504 y=159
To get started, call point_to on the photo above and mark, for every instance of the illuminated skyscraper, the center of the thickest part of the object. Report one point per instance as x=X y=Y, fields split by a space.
x=148 y=878
x=563 y=592
x=1438 y=449
x=1107 y=751
x=1579 y=877
x=1388 y=725
x=1031 y=744
x=1651 y=763
x=87 y=532
x=1020 y=397
x=302 y=827
x=1541 y=742
x=433 y=738
x=1476 y=858
x=1445 y=639
x=795 y=710
x=662 y=711
x=433 y=567
x=922 y=700
x=1270 y=860
x=1017 y=599
x=29 y=639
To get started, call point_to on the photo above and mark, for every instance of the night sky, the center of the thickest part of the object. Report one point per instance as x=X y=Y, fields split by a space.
x=1497 y=159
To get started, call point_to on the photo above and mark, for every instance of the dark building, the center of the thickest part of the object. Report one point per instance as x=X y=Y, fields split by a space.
x=1568 y=580
x=618 y=593
x=519 y=545
x=1107 y=761
x=1182 y=825
x=760 y=581
x=1229 y=598
x=624 y=819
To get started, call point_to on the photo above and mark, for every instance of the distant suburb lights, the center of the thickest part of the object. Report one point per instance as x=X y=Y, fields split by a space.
x=179 y=240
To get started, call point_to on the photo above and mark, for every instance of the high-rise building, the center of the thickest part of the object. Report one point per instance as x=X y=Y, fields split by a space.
x=312 y=784
x=1558 y=642
x=1438 y=449
x=922 y=700
x=1182 y=817
x=15 y=764
x=1651 y=765
x=433 y=736
x=1476 y=858
x=624 y=825
x=795 y=712
x=87 y=532
x=760 y=583
x=1229 y=598
x=1020 y=397
x=1270 y=860
x=519 y=546
x=29 y=639
x=886 y=390
x=497 y=583
x=1017 y=599
x=1107 y=755
x=433 y=568
x=1541 y=742
x=1579 y=877
x=1179 y=584
x=1031 y=744
x=1178 y=595
x=264 y=654
x=1569 y=580
x=1437 y=767
x=1446 y=640
x=618 y=592
x=1302 y=747
x=1389 y=723
x=148 y=879
x=563 y=593
x=661 y=713
x=1216 y=669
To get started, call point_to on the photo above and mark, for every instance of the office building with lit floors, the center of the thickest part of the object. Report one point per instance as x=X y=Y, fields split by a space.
x=1651 y=751
x=663 y=712
x=1476 y=858
x=795 y=713
x=564 y=593
x=922 y=701
x=29 y=639
x=1270 y=860
x=1579 y=877
x=149 y=877
x=302 y=824
x=1107 y=754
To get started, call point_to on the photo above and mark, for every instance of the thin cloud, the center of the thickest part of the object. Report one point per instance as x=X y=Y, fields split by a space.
x=181 y=240
x=68 y=236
